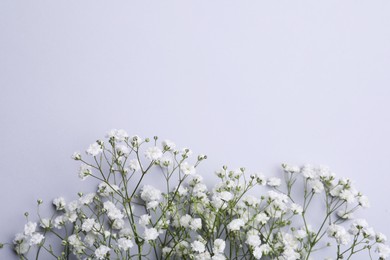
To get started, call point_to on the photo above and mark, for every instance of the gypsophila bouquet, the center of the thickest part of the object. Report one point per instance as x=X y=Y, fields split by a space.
x=244 y=216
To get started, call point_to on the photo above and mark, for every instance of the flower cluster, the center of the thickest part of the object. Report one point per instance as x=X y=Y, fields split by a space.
x=244 y=216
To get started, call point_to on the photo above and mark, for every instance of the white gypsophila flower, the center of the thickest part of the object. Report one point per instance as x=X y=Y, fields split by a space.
x=187 y=168
x=150 y=234
x=29 y=228
x=88 y=224
x=274 y=182
x=219 y=246
x=87 y=198
x=20 y=244
x=260 y=178
x=296 y=209
x=76 y=156
x=198 y=246
x=36 y=239
x=183 y=191
x=235 y=224
x=134 y=165
x=262 y=218
x=202 y=256
x=118 y=135
x=309 y=172
x=339 y=233
x=251 y=201
x=253 y=241
x=84 y=171
x=152 y=205
x=149 y=193
x=300 y=234
x=106 y=190
x=363 y=201
x=290 y=254
x=153 y=153
x=257 y=253
x=369 y=233
x=144 y=220
x=101 y=252
x=344 y=214
x=291 y=168
x=383 y=251
x=118 y=224
x=113 y=212
x=165 y=161
x=46 y=223
x=89 y=239
x=168 y=145
x=348 y=196
x=218 y=257
x=185 y=220
x=59 y=221
x=196 y=224
x=225 y=196
x=187 y=152
x=316 y=185
x=73 y=206
x=76 y=243
x=94 y=149
x=59 y=203
x=265 y=249
x=125 y=244
x=380 y=238
x=123 y=150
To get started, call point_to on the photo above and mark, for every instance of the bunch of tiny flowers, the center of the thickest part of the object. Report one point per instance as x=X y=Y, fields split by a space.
x=244 y=216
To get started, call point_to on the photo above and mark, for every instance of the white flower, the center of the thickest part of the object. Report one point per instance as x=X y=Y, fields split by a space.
x=59 y=221
x=165 y=161
x=77 y=244
x=125 y=244
x=339 y=233
x=218 y=257
x=296 y=209
x=101 y=252
x=88 y=224
x=59 y=203
x=219 y=246
x=134 y=165
x=30 y=228
x=106 y=190
x=168 y=145
x=257 y=253
x=309 y=172
x=225 y=196
x=153 y=153
x=113 y=212
x=185 y=220
x=36 y=239
x=253 y=240
x=46 y=223
x=380 y=238
x=262 y=218
x=119 y=135
x=348 y=196
x=144 y=220
x=183 y=191
x=198 y=246
x=187 y=169
x=94 y=149
x=383 y=251
x=274 y=182
x=316 y=185
x=152 y=204
x=196 y=224
x=149 y=193
x=260 y=178
x=235 y=224
x=87 y=198
x=251 y=201
x=150 y=234
x=363 y=201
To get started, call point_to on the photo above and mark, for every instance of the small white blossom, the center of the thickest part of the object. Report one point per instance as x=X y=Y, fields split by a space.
x=94 y=149
x=153 y=153
x=101 y=252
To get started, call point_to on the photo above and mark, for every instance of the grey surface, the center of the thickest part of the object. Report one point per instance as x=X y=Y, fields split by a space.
x=249 y=83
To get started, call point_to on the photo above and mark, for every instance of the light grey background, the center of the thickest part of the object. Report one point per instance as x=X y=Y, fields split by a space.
x=249 y=83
